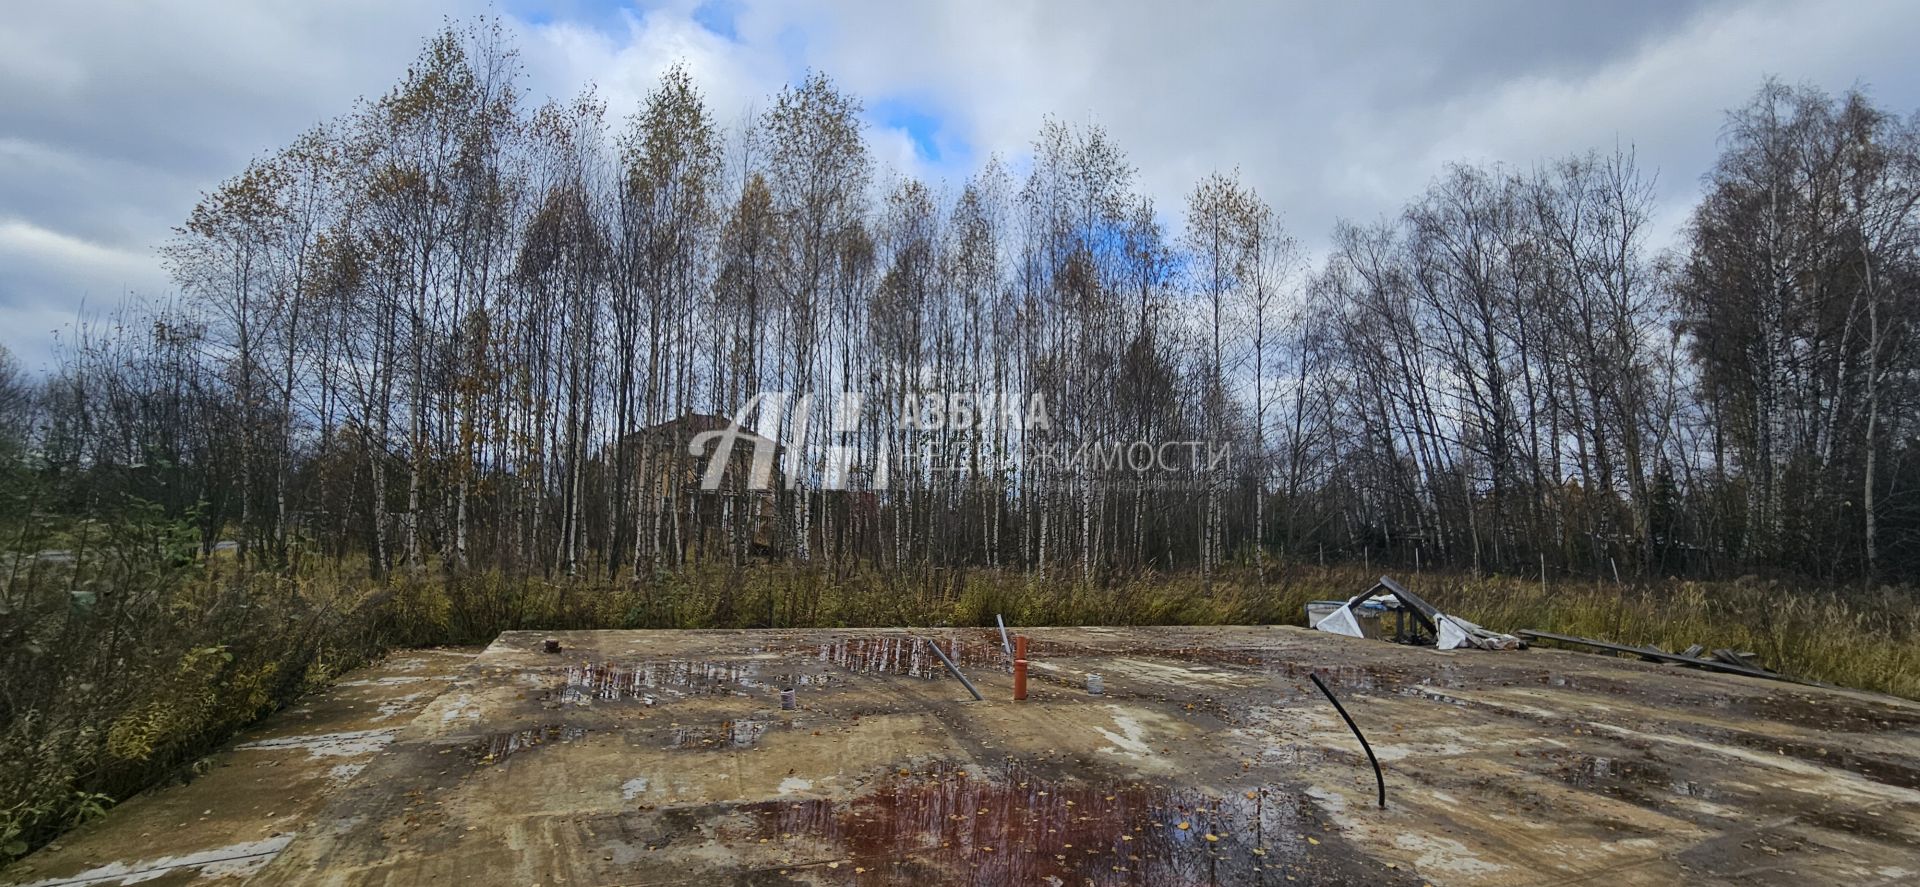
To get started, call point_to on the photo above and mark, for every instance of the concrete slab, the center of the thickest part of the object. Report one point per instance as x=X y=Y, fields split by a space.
x=664 y=758
x=227 y=822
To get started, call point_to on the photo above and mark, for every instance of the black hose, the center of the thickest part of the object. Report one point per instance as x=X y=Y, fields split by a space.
x=1382 y=780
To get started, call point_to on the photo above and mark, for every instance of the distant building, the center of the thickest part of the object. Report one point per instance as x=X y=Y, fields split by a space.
x=679 y=514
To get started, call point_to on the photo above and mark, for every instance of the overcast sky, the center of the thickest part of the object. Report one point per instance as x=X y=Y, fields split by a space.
x=115 y=116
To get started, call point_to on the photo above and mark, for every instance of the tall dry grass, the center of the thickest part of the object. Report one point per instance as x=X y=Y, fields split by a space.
x=1863 y=638
x=1868 y=639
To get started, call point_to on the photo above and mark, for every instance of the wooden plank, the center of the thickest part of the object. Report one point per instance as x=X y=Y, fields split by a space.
x=1535 y=634
x=1426 y=610
x=1653 y=654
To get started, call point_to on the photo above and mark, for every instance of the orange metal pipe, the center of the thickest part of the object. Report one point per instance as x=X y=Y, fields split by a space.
x=1019 y=667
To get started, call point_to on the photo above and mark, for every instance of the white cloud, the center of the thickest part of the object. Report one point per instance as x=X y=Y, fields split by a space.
x=118 y=114
x=1666 y=100
x=22 y=241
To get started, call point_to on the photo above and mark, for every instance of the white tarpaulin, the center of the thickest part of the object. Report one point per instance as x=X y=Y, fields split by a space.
x=1474 y=636
x=1341 y=621
x=1450 y=632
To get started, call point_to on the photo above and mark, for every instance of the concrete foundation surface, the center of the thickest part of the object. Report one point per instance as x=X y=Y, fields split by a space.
x=665 y=757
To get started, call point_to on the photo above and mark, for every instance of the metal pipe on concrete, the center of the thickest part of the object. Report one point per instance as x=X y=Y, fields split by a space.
x=956 y=671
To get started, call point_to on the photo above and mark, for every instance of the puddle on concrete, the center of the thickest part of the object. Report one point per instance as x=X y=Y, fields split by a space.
x=398 y=706
x=906 y=656
x=1432 y=694
x=646 y=682
x=1861 y=824
x=1016 y=827
x=345 y=744
x=1690 y=789
x=234 y=861
x=1590 y=771
x=342 y=774
x=1560 y=680
x=1831 y=714
x=727 y=735
x=389 y=681
x=1878 y=768
x=500 y=746
x=1637 y=780
x=1372 y=678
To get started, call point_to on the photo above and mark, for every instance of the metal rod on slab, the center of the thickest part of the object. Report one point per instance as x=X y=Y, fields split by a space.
x=1004 y=643
x=963 y=678
x=1377 y=778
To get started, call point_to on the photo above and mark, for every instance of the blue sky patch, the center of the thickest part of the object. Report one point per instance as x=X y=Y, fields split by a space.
x=604 y=15
x=720 y=17
x=923 y=126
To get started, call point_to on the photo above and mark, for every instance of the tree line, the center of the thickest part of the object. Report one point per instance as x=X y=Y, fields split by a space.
x=444 y=331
